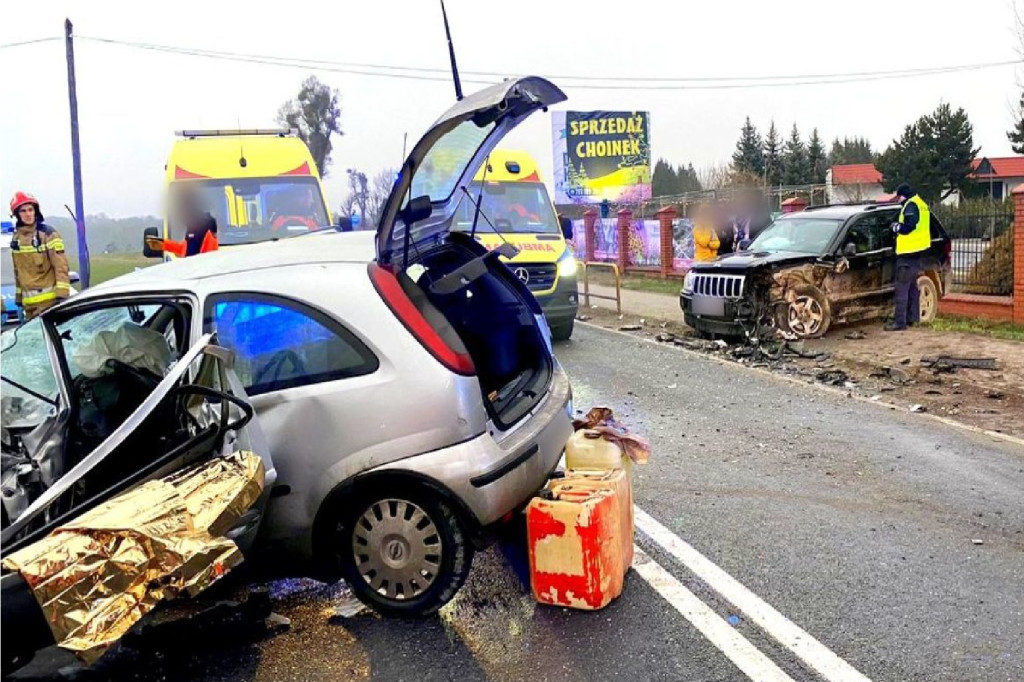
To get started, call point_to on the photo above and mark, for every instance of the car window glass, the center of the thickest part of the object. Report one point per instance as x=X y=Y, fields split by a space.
x=882 y=236
x=872 y=232
x=24 y=360
x=282 y=344
x=859 y=235
x=96 y=339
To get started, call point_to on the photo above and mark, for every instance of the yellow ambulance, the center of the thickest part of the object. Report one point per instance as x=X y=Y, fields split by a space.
x=258 y=184
x=516 y=208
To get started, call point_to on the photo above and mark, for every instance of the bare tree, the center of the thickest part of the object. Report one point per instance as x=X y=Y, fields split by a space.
x=379 y=189
x=714 y=177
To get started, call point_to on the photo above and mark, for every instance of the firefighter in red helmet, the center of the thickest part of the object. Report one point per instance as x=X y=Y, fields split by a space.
x=41 y=276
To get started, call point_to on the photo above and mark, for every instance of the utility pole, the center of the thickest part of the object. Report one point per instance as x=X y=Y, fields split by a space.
x=76 y=160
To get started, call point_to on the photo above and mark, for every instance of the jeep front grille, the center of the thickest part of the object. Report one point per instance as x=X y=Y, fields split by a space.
x=722 y=286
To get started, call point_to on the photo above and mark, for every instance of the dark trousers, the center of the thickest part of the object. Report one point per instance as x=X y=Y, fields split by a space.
x=908 y=297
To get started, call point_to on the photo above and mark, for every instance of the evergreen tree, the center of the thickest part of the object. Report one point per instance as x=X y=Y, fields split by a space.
x=748 y=156
x=772 y=156
x=816 y=159
x=795 y=167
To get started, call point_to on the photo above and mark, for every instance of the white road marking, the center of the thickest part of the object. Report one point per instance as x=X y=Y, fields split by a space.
x=786 y=632
x=725 y=637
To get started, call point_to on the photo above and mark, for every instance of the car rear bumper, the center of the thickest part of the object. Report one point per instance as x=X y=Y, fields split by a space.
x=489 y=478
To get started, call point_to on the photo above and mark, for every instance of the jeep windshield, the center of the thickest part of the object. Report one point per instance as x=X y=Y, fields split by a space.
x=521 y=207
x=797 y=235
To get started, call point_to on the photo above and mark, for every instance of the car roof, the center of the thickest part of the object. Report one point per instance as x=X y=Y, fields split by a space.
x=328 y=246
x=840 y=211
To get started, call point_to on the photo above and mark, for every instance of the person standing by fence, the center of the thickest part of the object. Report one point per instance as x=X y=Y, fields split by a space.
x=705 y=236
x=913 y=237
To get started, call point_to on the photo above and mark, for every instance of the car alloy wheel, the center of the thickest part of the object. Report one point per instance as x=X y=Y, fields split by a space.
x=397 y=549
x=805 y=316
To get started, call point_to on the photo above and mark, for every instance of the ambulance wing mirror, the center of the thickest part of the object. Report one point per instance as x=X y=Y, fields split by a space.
x=152 y=245
x=566 y=224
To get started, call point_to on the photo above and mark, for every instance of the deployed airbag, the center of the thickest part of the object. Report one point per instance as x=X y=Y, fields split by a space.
x=131 y=344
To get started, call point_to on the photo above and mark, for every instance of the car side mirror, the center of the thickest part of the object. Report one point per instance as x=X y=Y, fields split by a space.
x=74 y=277
x=417 y=209
x=850 y=249
x=344 y=224
x=566 y=224
x=152 y=245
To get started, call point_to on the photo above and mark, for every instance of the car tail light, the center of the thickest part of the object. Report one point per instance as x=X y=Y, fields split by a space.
x=387 y=285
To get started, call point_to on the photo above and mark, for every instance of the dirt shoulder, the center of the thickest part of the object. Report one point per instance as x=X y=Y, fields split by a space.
x=863 y=360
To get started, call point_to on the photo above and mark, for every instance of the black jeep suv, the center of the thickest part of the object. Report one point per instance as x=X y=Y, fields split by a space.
x=809 y=270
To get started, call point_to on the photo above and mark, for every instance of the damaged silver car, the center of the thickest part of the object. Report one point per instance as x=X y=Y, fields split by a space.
x=405 y=380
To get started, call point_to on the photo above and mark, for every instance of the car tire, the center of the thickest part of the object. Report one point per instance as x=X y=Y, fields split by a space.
x=808 y=316
x=404 y=553
x=563 y=331
x=929 y=298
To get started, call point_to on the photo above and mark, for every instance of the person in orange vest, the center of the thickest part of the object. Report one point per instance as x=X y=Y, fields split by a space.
x=41 y=276
x=200 y=230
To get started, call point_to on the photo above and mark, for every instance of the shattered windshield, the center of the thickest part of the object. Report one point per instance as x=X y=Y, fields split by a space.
x=253 y=209
x=28 y=375
x=447 y=159
x=798 y=235
x=521 y=207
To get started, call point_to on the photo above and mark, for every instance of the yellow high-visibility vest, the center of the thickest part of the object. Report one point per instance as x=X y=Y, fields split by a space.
x=921 y=238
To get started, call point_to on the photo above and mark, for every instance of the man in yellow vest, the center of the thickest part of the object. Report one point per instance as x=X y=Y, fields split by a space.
x=913 y=237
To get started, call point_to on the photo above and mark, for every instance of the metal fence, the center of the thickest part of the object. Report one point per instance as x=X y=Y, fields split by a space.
x=982 y=254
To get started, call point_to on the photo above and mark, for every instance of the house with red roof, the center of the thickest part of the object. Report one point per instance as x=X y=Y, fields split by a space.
x=848 y=183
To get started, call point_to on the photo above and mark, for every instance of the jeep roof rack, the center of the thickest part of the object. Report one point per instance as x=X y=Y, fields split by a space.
x=866 y=205
x=280 y=132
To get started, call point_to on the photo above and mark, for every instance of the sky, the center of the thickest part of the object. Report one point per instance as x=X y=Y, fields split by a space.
x=131 y=101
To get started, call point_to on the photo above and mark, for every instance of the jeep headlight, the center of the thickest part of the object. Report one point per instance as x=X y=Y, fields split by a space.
x=567 y=266
x=688 y=283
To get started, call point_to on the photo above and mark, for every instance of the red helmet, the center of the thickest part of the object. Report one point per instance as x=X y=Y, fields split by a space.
x=20 y=199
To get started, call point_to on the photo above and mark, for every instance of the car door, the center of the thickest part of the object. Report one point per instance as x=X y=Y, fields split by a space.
x=297 y=364
x=197 y=408
x=864 y=248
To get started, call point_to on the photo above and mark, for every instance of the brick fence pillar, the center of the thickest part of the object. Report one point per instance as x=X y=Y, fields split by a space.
x=1018 y=255
x=589 y=231
x=665 y=217
x=625 y=218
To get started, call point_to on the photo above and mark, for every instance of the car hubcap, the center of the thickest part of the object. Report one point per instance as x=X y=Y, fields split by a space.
x=397 y=549
x=805 y=316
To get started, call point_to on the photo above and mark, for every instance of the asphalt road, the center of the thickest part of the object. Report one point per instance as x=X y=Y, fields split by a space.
x=856 y=523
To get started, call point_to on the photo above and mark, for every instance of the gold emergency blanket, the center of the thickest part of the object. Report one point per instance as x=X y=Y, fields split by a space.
x=98 y=576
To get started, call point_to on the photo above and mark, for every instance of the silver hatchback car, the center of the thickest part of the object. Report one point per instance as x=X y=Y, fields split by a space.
x=405 y=381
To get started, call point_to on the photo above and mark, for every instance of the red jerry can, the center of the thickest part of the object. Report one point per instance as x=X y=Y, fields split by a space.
x=618 y=481
x=575 y=547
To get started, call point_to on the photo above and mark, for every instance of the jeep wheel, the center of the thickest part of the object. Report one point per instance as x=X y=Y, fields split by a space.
x=404 y=554
x=929 y=298
x=808 y=315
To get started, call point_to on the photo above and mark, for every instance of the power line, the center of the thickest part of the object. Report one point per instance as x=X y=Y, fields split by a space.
x=564 y=77
x=29 y=42
x=585 y=82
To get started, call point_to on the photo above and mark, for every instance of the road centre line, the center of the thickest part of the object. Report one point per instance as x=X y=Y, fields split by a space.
x=786 y=632
x=723 y=636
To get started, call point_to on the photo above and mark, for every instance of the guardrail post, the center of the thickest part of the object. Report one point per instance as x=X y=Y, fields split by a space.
x=590 y=232
x=666 y=216
x=625 y=218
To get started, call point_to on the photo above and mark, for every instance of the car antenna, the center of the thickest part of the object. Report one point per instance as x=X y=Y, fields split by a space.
x=451 y=54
